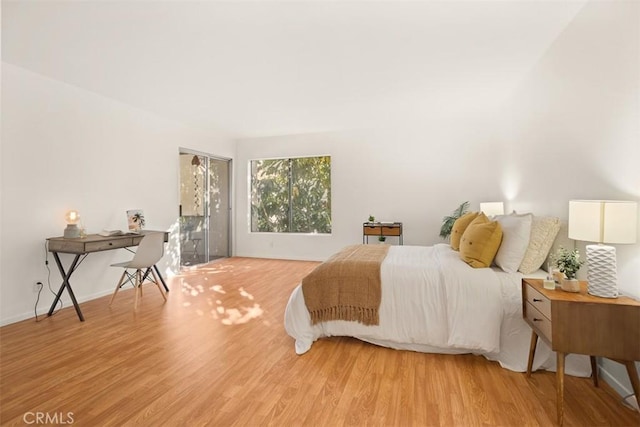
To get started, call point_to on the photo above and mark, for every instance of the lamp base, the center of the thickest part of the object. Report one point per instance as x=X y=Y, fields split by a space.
x=72 y=231
x=602 y=272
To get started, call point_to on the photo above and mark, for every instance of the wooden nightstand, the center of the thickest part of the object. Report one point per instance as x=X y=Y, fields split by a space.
x=381 y=229
x=583 y=324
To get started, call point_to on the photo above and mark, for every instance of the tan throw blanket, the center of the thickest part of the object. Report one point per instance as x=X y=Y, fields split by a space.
x=346 y=286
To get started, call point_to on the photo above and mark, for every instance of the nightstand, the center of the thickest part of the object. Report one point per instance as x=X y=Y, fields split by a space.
x=583 y=324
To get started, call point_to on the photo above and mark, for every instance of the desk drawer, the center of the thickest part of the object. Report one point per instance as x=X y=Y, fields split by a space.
x=541 y=302
x=69 y=246
x=107 y=245
x=539 y=321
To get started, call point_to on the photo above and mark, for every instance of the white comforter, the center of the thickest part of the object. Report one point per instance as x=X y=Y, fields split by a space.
x=434 y=302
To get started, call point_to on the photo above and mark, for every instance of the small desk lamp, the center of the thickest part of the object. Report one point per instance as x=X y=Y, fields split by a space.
x=492 y=208
x=72 y=218
x=602 y=221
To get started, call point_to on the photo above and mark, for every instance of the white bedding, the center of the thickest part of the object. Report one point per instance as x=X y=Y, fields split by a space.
x=434 y=302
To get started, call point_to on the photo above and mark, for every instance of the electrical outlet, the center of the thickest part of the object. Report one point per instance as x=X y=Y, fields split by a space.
x=37 y=286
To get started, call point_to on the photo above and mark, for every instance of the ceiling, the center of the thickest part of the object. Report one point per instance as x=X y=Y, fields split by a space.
x=253 y=69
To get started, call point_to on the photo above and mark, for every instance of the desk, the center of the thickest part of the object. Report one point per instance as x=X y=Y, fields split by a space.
x=583 y=324
x=83 y=246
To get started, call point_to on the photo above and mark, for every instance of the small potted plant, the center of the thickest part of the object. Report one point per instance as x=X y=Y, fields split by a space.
x=569 y=262
x=382 y=239
x=372 y=218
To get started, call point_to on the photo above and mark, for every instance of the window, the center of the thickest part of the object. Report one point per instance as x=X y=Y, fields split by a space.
x=291 y=195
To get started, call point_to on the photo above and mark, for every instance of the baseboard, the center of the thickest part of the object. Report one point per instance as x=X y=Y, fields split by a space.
x=42 y=311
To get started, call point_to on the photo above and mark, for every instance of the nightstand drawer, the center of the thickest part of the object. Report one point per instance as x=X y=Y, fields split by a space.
x=372 y=230
x=539 y=301
x=539 y=321
x=390 y=231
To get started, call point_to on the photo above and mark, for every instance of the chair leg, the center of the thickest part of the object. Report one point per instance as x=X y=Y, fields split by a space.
x=140 y=281
x=124 y=273
x=138 y=287
x=157 y=282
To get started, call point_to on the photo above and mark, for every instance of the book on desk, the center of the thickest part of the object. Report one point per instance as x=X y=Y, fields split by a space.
x=109 y=233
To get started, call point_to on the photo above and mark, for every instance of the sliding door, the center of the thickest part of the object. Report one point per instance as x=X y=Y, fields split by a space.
x=205 y=189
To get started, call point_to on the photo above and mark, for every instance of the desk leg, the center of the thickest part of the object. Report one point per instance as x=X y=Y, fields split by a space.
x=166 y=288
x=560 y=387
x=66 y=284
x=532 y=352
x=146 y=274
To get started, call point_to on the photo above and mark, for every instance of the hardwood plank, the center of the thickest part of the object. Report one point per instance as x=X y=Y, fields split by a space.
x=216 y=353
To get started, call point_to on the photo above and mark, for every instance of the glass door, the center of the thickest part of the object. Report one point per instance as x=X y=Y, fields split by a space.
x=205 y=188
x=219 y=219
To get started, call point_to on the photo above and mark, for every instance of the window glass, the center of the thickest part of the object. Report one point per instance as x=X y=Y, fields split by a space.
x=291 y=195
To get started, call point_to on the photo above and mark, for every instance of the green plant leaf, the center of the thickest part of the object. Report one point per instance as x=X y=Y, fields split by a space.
x=449 y=220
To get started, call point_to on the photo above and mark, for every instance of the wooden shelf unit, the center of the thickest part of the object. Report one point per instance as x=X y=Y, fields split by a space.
x=387 y=229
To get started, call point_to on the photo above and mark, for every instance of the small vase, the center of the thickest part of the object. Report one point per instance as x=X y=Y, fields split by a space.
x=571 y=285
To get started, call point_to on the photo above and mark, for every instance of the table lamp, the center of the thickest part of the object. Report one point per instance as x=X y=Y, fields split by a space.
x=603 y=221
x=492 y=208
x=72 y=218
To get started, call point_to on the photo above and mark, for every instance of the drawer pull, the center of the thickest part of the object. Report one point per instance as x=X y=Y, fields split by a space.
x=537 y=320
x=537 y=300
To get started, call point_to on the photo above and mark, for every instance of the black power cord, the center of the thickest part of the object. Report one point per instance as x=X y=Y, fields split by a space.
x=40 y=285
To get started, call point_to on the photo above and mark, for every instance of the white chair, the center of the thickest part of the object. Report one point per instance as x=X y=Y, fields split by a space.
x=149 y=252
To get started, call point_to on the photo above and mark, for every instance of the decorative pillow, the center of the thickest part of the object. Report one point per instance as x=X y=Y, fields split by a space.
x=516 y=232
x=480 y=242
x=458 y=228
x=543 y=233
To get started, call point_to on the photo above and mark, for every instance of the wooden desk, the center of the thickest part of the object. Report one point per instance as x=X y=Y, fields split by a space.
x=583 y=324
x=83 y=246
x=381 y=229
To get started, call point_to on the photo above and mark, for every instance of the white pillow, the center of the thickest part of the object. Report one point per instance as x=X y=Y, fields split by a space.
x=543 y=232
x=516 y=231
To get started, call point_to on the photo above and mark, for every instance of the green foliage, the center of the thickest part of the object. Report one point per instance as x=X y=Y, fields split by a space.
x=449 y=220
x=568 y=262
x=291 y=195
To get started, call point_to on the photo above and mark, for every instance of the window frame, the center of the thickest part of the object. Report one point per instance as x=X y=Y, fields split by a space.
x=290 y=204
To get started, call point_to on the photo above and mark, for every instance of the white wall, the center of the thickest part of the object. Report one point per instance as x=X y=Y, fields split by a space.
x=63 y=148
x=415 y=176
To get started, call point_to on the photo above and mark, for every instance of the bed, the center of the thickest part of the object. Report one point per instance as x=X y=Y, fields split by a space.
x=434 y=302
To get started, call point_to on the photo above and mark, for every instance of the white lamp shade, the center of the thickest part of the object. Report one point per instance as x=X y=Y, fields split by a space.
x=492 y=208
x=603 y=221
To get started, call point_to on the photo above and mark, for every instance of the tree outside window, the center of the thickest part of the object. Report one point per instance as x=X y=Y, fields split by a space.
x=291 y=195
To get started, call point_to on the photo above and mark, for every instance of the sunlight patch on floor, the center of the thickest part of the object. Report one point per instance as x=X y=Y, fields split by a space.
x=236 y=313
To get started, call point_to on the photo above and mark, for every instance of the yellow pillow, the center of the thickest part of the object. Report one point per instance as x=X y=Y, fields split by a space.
x=458 y=228
x=480 y=242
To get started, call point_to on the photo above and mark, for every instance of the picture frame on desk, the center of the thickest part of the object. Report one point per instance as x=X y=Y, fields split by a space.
x=135 y=220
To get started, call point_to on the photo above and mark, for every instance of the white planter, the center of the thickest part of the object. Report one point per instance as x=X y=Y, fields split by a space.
x=571 y=285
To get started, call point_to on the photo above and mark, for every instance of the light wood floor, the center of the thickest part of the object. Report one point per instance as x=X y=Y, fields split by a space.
x=217 y=354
